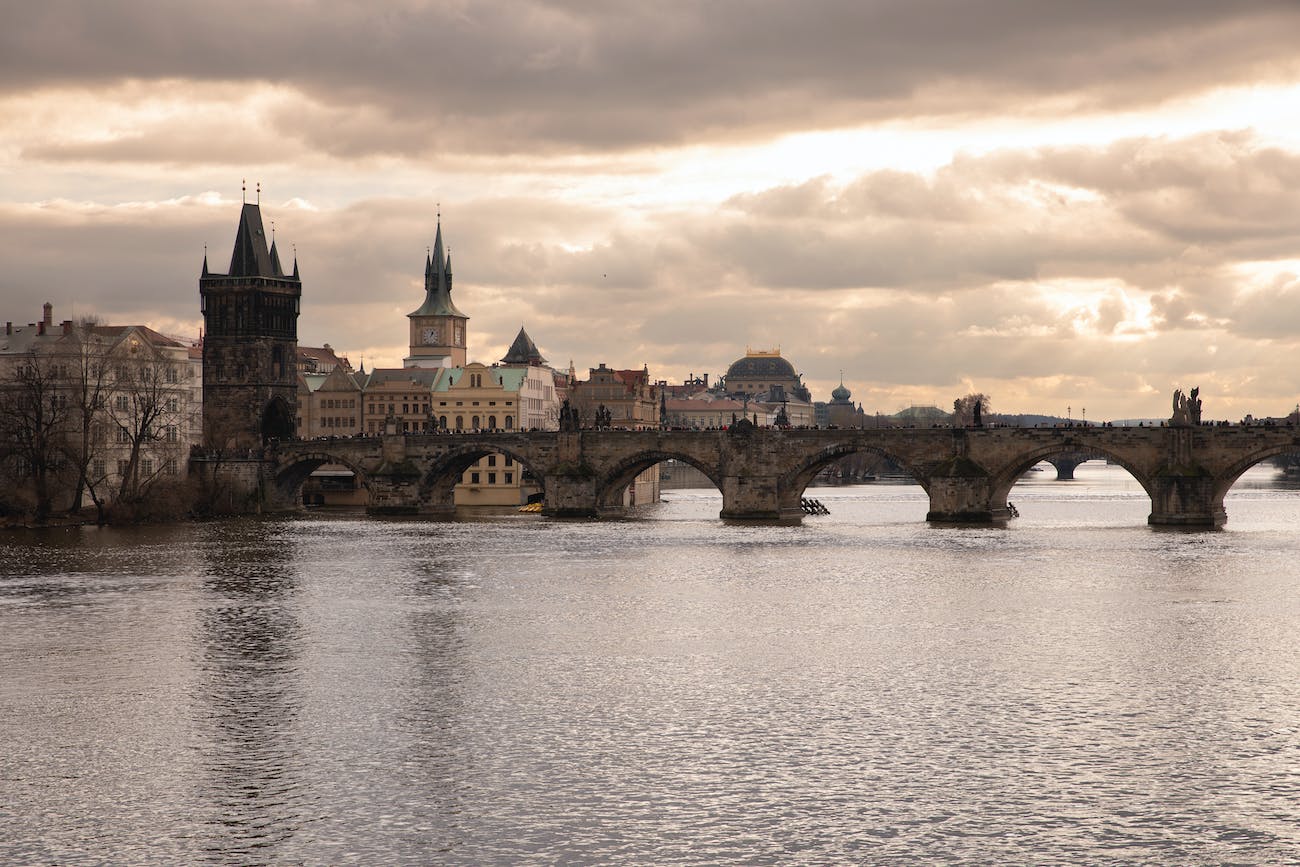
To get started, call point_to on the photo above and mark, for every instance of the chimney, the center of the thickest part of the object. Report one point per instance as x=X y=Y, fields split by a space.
x=9 y=328
x=49 y=315
x=706 y=380
x=40 y=328
x=67 y=326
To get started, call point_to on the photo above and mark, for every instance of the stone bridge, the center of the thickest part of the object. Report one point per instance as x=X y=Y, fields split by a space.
x=761 y=473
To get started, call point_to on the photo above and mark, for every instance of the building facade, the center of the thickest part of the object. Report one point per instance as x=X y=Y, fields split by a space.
x=94 y=413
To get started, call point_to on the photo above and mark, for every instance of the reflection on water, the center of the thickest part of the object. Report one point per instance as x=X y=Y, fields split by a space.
x=246 y=702
x=1071 y=688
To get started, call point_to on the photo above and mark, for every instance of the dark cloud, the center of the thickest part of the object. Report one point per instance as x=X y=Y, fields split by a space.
x=433 y=78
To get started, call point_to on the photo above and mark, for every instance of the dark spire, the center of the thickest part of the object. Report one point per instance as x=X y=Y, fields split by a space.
x=437 y=284
x=251 y=258
x=523 y=351
x=276 y=270
x=205 y=260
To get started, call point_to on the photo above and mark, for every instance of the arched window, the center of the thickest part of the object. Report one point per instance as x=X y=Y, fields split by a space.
x=473 y=422
x=510 y=422
x=460 y=422
x=442 y=422
x=492 y=422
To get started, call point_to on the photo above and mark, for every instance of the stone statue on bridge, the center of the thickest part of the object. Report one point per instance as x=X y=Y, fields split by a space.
x=1187 y=408
x=568 y=417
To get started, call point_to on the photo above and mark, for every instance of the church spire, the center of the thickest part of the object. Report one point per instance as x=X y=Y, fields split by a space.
x=437 y=283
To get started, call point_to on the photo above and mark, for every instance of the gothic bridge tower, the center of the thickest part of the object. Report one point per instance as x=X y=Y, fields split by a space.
x=250 y=342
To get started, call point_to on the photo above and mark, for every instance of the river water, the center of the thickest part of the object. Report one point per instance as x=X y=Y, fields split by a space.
x=1074 y=688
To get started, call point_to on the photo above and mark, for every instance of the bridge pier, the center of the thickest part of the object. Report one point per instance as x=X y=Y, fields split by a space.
x=571 y=496
x=395 y=484
x=1065 y=467
x=394 y=494
x=758 y=498
x=964 y=500
x=1186 y=500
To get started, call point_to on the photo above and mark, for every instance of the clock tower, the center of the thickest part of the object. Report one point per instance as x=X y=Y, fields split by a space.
x=437 y=328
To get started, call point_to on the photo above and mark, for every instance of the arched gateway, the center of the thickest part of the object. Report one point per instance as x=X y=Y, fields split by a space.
x=762 y=473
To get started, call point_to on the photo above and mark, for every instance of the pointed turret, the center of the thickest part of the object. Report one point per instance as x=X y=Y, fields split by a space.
x=250 y=257
x=295 y=267
x=523 y=351
x=276 y=270
x=205 y=263
x=437 y=285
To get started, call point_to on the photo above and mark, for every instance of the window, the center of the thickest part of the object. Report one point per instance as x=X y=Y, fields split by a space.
x=172 y=433
x=121 y=467
x=510 y=478
x=473 y=422
x=98 y=469
x=442 y=422
x=146 y=467
x=492 y=460
x=492 y=478
x=510 y=422
x=169 y=468
x=121 y=403
x=492 y=422
x=509 y=461
x=473 y=478
x=123 y=436
x=172 y=404
x=97 y=434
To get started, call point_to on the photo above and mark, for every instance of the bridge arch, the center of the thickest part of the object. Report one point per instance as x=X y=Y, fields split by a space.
x=612 y=482
x=1004 y=478
x=437 y=490
x=292 y=474
x=799 y=477
x=1228 y=477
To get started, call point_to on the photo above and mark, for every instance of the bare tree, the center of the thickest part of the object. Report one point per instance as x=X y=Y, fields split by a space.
x=146 y=411
x=221 y=432
x=87 y=361
x=34 y=422
x=964 y=409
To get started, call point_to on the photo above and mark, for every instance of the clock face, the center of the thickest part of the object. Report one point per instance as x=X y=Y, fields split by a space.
x=430 y=335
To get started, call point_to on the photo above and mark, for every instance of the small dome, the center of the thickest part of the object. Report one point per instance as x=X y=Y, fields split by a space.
x=767 y=366
x=841 y=394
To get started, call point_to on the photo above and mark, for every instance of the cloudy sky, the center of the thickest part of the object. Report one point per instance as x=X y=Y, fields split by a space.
x=1059 y=203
